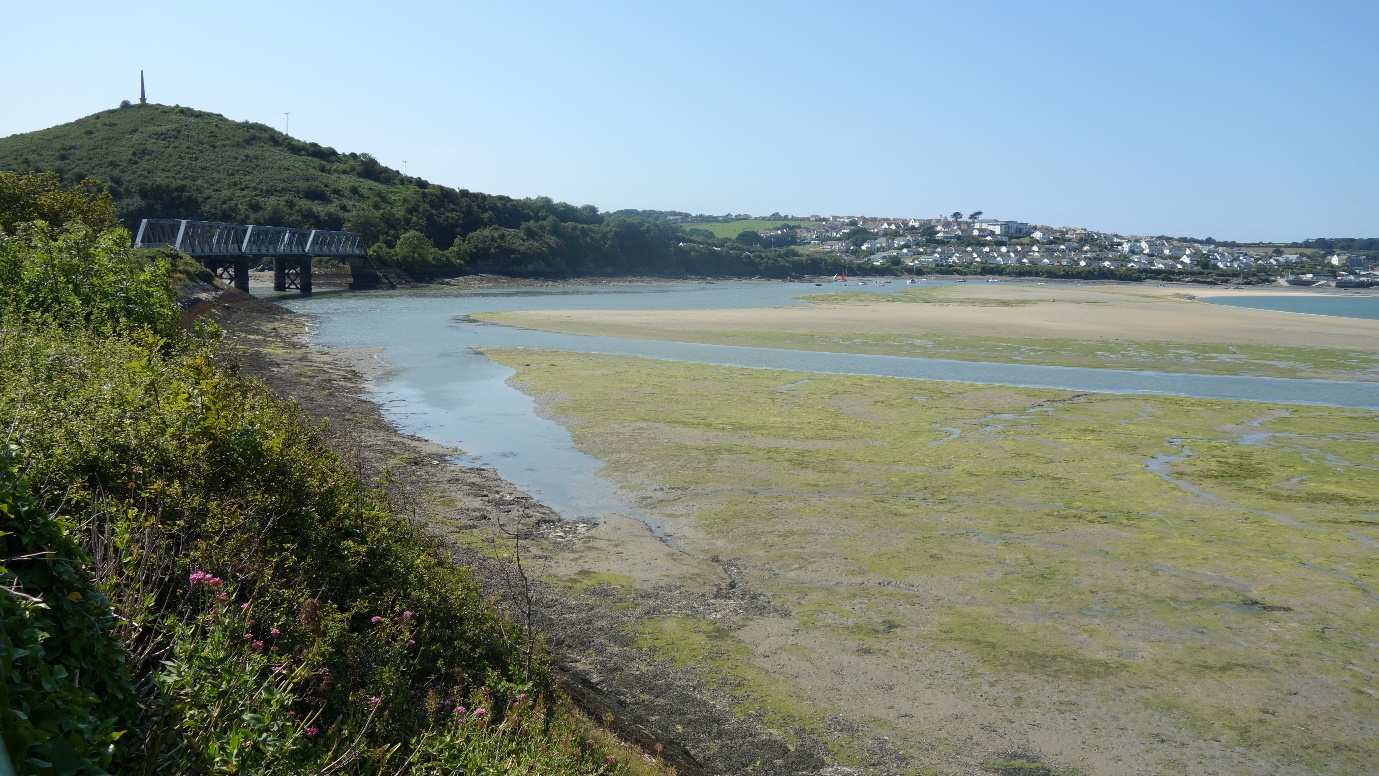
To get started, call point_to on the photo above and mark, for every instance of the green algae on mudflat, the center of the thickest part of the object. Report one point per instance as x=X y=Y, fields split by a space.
x=1016 y=542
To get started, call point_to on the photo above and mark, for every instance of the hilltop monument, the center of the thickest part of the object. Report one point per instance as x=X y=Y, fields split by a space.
x=143 y=98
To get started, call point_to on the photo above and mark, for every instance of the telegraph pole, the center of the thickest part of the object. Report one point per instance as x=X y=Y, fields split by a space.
x=287 y=123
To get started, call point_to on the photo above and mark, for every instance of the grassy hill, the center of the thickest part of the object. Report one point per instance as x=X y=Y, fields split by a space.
x=167 y=161
x=163 y=161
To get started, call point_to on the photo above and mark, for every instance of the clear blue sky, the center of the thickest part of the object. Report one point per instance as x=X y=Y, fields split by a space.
x=1249 y=120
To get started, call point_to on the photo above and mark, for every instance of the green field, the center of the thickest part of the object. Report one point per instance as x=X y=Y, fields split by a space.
x=961 y=576
x=731 y=229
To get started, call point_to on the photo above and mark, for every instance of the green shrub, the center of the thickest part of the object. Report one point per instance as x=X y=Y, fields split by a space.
x=65 y=696
x=40 y=196
x=273 y=615
x=75 y=278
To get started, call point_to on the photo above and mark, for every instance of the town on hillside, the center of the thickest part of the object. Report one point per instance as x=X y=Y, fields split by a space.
x=971 y=241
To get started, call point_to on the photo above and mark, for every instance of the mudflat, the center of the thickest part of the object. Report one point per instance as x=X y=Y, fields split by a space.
x=932 y=577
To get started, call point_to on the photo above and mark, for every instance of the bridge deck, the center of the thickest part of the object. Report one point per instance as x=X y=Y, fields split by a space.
x=210 y=239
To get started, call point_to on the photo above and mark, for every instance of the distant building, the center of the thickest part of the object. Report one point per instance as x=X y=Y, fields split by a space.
x=1003 y=228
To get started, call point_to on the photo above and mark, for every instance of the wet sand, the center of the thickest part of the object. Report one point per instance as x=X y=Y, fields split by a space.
x=1015 y=309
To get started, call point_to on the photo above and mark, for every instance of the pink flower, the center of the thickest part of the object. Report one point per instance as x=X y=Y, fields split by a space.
x=459 y=711
x=279 y=669
x=374 y=701
x=407 y=615
x=221 y=595
x=213 y=581
x=312 y=732
x=248 y=636
x=244 y=607
x=521 y=696
x=275 y=633
x=375 y=619
x=197 y=576
x=257 y=645
x=479 y=713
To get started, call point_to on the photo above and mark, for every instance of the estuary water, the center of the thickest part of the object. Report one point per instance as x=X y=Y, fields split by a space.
x=1345 y=306
x=439 y=386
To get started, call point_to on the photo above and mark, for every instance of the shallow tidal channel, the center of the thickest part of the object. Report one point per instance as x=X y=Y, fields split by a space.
x=436 y=383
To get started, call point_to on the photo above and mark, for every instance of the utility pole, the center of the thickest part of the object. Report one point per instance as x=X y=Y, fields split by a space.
x=287 y=123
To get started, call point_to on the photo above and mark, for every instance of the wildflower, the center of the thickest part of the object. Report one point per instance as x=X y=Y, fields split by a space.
x=521 y=696
x=248 y=636
x=257 y=644
x=479 y=713
x=275 y=633
x=375 y=619
x=277 y=669
x=407 y=615
x=198 y=576
x=244 y=607
x=312 y=732
x=374 y=701
x=610 y=759
x=460 y=711
x=213 y=581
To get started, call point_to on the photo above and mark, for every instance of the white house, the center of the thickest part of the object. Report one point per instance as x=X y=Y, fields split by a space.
x=1003 y=228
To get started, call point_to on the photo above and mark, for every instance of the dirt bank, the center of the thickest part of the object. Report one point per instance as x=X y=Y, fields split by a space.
x=663 y=708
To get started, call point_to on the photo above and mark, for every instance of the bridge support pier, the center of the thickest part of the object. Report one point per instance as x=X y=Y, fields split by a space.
x=291 y=272
x=242 y=273
x=304 y=279
x=362 y=274
x=234 y=269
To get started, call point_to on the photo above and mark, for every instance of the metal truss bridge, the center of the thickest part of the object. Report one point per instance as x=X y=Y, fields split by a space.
x=228 y=250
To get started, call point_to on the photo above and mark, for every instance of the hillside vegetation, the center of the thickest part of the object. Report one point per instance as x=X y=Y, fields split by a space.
x=730 y=229
x=191 y=581
x=164 y=161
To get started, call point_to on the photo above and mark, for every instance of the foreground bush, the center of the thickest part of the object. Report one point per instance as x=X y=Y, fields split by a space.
x=63 y=682
x=272 y=614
